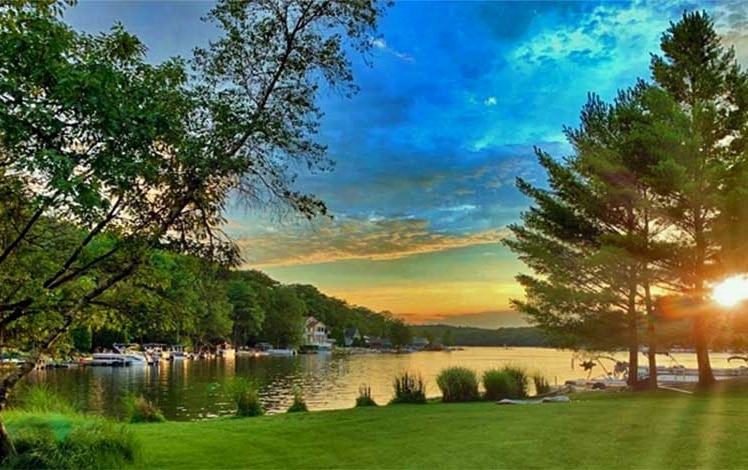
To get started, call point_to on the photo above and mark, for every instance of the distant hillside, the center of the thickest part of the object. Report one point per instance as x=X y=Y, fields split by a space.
x=468 y=336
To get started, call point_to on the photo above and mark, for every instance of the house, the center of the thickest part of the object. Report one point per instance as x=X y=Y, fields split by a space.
x=315 y=333
x=380 y=343
x=419 y=342
x=350 y=335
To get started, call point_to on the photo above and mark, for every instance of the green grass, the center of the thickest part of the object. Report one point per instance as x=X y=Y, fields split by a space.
x=597 y=430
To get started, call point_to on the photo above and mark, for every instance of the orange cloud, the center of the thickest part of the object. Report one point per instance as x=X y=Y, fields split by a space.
x=350 y=239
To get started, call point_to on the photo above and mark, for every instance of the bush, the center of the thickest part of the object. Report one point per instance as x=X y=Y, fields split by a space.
x=43 y=399
x=541 y=384
x=245 y=395
x=520 y=379
x=509 y=382
x=139 y=410
x=409 y=389
x=298 y=405
x=65 y=442
x=458 y=384
x=364 y=397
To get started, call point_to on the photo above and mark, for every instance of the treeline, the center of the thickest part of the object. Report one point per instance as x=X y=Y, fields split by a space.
x=468 y=336
x=183 y=299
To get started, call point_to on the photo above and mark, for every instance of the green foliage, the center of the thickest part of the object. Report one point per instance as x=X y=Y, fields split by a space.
x=409 y=388
x=65 y=442
x=284 y=318
x=43 y=398
x=82 y=338
x=470 y=336
x=364 y=397
x=140 y=410
x=542 y=385
x=399 y=333
x=247 y=312
x=298 y=405
x=245 y=394
x=458 y=384
x=508 y=382
x=447 y=338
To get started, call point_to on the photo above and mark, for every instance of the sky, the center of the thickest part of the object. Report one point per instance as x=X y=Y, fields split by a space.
x=457 y=96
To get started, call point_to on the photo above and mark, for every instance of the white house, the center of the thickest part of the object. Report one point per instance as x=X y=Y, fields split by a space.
x=315 y=333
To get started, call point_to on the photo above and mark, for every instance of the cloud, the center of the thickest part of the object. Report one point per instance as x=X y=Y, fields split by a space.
x=381 y=44
x=373 y=238
x=490 y=320
x=490 y=101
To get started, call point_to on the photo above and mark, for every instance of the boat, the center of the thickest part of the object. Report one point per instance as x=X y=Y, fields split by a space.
x=226 y=351
x=281 y=352
x=176 y=353
x=108 y=359
x=134 y=357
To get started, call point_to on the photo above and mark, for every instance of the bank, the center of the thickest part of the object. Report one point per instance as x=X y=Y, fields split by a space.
x=595 y=430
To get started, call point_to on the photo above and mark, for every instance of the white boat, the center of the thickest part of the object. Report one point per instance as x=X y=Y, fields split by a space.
x=176 y=353
x=281 y=352
x=109 y=359
x=133 y=357
x=225 y=351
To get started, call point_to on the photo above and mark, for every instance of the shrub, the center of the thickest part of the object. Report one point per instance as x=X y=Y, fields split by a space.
x=409 y=389
x=72 y=443
x=298 y=405
x=520 y=379
x=541 y=384
x=458 y=384
x=139 y=410
x=509 y=382
x=43 y=399
x=245 y=395
x=364 y=397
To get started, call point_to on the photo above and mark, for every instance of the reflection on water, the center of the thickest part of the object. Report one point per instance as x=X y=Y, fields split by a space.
x=188 y=390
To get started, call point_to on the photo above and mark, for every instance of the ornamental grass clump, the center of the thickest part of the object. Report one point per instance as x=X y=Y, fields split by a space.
x=246 y=396
x=508 y=382
x=541 y=384
x=298 y=405
x=71 y=442
x=409 y=388
x=364 y=397
x=458 y=384
x=138 y=409
x=44 y=399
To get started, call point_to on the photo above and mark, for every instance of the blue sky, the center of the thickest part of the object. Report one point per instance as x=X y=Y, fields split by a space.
x=426 y=154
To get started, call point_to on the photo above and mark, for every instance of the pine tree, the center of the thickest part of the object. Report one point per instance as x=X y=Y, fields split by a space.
x=706 y=173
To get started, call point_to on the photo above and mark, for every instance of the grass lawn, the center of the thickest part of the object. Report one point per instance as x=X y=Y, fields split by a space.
x=596 y=430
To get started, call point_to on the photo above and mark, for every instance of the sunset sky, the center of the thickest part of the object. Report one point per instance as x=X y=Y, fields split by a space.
x=428 y=151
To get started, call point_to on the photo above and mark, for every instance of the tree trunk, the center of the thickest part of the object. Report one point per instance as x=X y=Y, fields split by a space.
x=652 y=337
x=633 y=340
x=6 y=387
x=6 y=445
x=706 y=376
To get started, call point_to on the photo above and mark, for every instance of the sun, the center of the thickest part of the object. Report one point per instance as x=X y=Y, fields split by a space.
x=731 y=291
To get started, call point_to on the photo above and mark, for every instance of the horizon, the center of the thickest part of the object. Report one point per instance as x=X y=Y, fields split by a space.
x=427 y=153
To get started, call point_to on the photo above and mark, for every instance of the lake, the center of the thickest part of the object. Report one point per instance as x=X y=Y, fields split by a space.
x=192 y=390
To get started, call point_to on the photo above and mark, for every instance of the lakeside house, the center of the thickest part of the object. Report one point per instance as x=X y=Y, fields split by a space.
x=419 y=343
x=316 y=333
x=352 y=335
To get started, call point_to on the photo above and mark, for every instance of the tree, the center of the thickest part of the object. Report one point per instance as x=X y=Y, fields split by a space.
x=94 y=138
x=247 y=313
x=708 y=171
x=399 y=333
x=284 y=318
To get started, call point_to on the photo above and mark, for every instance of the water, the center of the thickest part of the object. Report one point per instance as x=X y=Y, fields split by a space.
x=190 y=390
